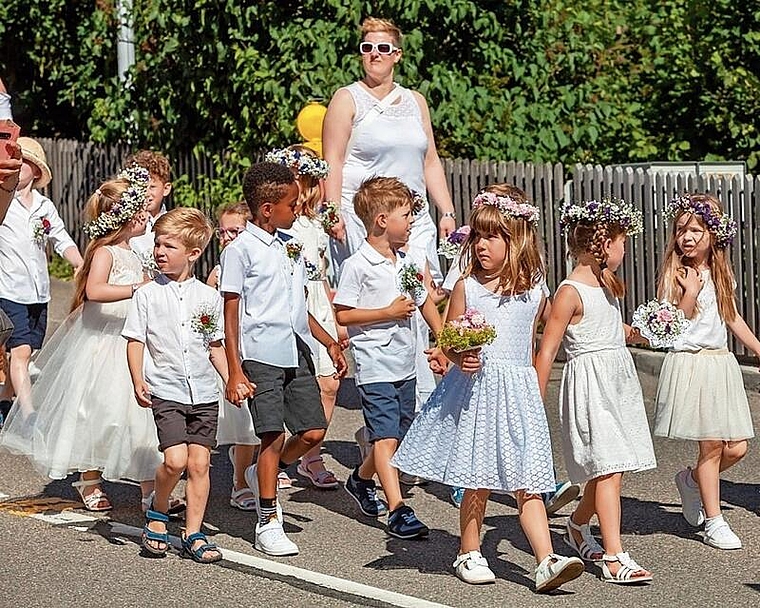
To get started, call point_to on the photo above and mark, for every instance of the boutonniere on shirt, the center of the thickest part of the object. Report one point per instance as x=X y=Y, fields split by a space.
x=41 y=230
x=411 y=280
x=312 y=271
x=205 y=321
x=149 y=266
x=293 y=249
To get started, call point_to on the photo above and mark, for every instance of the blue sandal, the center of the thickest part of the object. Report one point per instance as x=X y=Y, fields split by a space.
x=197 y=554
x=149 y=535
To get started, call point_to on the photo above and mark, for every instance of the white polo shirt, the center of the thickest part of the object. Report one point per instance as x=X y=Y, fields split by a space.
x=272 y=297
x=161 y=316
x=23 y=259
x=385 y=351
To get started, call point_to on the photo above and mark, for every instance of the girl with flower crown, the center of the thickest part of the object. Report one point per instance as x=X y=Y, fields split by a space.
x=310 y=240
x=84 y=418
x=602 y=415
x=484 y=427
x=700 y=394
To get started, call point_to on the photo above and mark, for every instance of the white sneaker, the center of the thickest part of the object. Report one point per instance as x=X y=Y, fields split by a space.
x=691 y=502
x=555 y=570
x=721 y=536
x=473 y=568
x=252 y=479
x=271 y=539
x=362 y=440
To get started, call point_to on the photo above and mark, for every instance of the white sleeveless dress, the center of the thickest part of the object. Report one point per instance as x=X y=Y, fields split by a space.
x=487 y=430
x=604 y=423
x=393 y=145
x=84 y=414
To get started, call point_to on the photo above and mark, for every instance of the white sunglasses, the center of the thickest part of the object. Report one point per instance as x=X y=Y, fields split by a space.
x=383 y=48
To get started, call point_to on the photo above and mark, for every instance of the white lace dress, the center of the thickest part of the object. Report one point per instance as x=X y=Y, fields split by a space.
x=83 y=412
x=487 y=430
x=604 y=423
x=393 y=145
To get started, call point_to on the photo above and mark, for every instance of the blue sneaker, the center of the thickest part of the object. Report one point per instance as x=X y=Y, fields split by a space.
x=403 y=523
x=563 y=494
x=457 y=494
x=364 y=492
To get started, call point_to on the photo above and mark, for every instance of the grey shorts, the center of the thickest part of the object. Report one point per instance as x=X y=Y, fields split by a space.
x=286 y=396
x=178 y=423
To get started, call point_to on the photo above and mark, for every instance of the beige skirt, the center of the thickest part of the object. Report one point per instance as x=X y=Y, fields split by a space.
x=701 y=396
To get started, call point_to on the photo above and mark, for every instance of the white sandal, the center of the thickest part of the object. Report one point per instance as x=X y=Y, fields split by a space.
x=243 y=499
x=93 y=500
x=625 y=574
x=589 y=548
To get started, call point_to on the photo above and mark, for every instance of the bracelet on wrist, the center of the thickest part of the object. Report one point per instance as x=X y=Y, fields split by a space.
x=451 y=214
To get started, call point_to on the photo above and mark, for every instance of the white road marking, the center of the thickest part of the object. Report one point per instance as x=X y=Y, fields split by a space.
x=315 y=578
x=64 y=517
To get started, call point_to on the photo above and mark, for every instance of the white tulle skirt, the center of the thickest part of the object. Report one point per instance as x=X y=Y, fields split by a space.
x=83 y=415
x=235 y=424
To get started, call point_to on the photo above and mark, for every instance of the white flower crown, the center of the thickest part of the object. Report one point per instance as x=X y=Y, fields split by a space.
x=131 y=202
x=304 y=164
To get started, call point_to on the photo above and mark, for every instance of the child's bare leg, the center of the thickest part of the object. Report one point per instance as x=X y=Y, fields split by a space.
x=607 y=496
x=297 y=445
x=198 y=484
x=244 y=456
x=20 y=380
x=534 y=523
x=367 y=469
x=585 y=510
x=328 y=388
x=267 y=464
x=382 y=452
x=167 y=476
x=707 y=475
x=471 y=515
x=733 y=452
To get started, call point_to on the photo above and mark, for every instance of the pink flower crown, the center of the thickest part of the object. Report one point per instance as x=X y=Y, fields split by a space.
x=507 y=206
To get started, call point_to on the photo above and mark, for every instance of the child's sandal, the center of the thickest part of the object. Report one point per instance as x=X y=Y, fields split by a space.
x=97 y=500
x=320 y=478
x=197 y=555
x=626 y=574
x=150 y=536
x=589 y=548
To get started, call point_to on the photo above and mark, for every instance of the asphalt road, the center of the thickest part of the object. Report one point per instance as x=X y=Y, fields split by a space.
x=75 y=564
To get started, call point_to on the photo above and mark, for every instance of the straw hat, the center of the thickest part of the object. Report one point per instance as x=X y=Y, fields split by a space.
x=32 y=152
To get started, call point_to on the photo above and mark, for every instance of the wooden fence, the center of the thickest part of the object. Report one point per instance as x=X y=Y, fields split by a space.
x=78 y=168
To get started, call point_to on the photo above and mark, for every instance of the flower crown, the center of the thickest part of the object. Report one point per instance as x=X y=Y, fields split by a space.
x=130 y=203
x=722 y=226
x=508 y=206
x=304 y=164
x=610 y=210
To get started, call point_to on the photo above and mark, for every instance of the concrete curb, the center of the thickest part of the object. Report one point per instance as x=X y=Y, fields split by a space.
x=650 y=362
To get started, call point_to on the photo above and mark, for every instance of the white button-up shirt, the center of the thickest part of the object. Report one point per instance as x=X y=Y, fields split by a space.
x=23 y=260
x=163 y=315
x=272 y=297
x=384 y=351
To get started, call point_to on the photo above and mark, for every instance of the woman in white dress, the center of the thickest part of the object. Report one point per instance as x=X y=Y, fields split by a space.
x=377 y=127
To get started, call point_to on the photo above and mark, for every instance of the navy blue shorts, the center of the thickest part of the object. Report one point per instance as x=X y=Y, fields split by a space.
x=29 y=323
x=388 y=408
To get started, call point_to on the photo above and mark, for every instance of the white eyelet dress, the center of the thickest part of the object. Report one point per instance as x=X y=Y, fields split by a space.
x=487 y=430
x=604 y=423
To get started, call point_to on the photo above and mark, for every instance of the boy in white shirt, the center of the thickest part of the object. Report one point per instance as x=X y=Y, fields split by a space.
x=268 y=328
x=378 y=292
x=159 y=187
x=179 y=320
x=32 y=220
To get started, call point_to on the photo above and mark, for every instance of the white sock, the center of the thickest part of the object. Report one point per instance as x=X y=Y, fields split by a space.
x=712 y=522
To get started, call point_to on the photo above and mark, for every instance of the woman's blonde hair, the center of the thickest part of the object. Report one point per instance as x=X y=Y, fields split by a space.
x=310 y=195
x=102 y=201
x=523 y=265
x=721 y=273
x=591 y=238
x=375 y=24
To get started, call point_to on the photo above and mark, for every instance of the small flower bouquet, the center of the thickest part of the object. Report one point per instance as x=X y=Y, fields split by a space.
x=149 y=266
x=468 y=332
x=328 y=214
x=205 y=321
x=312 y=271
x=451 y=245
x=40 y=231
x=660 y=323
x=410 y=280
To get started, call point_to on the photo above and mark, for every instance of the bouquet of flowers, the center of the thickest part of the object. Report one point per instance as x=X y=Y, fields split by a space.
x=205 y=321
x=468 y=332
x=328 y=214
x=660 y=323
x=312 y=271
x=40 y=231
x=411 y=280
x=149 y=266
x=451 y=245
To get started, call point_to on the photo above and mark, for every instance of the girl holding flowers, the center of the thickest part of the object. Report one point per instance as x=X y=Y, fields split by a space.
x=85 y=418
x=310 y=240
x=604 y=424
x=700 y=394
x=484 y=427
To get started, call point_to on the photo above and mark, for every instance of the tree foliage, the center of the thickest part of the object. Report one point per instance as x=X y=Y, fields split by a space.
x=544 y=80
